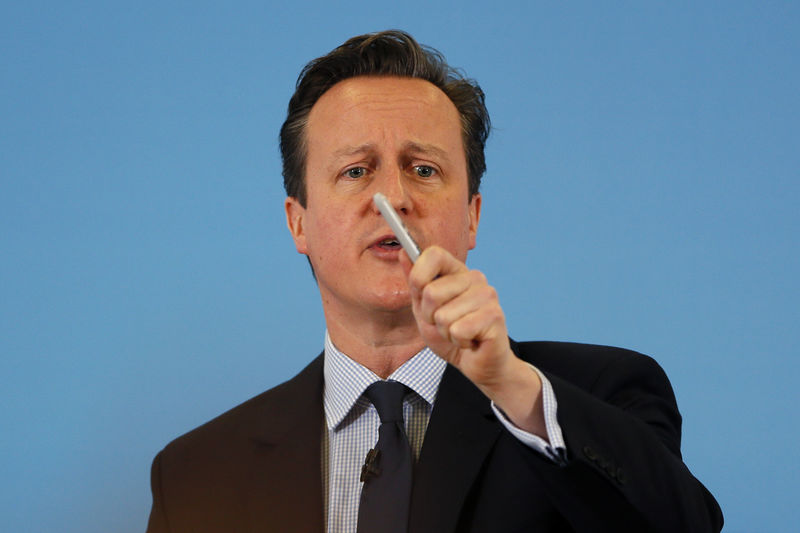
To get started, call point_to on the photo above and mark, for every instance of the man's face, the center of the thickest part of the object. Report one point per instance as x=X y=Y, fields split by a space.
x=397 y=136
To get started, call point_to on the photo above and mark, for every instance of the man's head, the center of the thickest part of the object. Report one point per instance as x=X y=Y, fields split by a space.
x=389 y=53
x=380 y=114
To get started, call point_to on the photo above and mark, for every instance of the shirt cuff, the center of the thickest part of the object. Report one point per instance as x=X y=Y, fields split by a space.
x=553 y=448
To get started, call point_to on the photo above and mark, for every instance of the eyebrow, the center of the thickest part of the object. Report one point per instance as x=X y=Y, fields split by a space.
x=353 y=150
x=426 y=149
x=408 y=146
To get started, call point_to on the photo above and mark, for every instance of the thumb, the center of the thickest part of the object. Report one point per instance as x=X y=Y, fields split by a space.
x=405 y=263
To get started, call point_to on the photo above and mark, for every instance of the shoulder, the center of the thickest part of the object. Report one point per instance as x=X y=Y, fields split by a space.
x=585 y=364
x=270 y=413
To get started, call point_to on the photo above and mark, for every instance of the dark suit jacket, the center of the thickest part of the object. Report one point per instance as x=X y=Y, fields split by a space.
x=257 y=467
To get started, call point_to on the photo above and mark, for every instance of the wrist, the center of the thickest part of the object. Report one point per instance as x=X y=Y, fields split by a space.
x=518 y=393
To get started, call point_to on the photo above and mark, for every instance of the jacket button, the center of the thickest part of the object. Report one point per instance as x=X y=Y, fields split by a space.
x=589 y=452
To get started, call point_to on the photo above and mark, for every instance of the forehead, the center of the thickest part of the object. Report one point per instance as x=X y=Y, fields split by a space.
x=384 y=106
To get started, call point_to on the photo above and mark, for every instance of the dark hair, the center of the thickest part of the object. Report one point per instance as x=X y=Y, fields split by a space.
x=387 y=53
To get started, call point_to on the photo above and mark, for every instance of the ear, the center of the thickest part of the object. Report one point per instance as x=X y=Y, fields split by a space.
x=294 y=220
x=474 y=218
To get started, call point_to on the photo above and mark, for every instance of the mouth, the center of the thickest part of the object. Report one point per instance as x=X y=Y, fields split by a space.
x=387 y=243
x=386 y=246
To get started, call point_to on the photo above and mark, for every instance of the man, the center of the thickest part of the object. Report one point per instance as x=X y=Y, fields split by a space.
x=488 y=434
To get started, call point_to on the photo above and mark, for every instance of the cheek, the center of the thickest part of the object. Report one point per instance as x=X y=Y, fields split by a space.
x=330 y=235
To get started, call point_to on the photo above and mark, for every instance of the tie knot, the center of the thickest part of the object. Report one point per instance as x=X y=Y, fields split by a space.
x=387 y=397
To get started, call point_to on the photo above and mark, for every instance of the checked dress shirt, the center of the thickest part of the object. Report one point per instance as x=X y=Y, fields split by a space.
x=351 y=425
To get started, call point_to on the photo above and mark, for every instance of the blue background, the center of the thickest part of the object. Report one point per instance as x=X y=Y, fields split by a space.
x=642 y=191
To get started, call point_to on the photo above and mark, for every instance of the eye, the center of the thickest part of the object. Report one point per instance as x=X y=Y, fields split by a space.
x=355 y=172
x=424 y=171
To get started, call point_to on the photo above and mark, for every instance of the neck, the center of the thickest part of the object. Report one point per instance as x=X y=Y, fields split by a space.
x=379 y=340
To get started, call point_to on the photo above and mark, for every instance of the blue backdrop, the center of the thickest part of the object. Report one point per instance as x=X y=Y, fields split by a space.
x=642 y=191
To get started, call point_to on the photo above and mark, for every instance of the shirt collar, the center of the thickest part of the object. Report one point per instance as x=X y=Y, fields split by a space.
x=346 y=380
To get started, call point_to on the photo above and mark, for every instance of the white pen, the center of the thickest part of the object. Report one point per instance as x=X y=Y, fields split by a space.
x=400 y=231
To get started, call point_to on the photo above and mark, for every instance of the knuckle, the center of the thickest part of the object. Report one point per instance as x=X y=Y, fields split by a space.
x=497 y=315
x=490 y=292
x=436 y=252
x=456 y=330
x=429 y=294
x=478 y=276
x=433 y=290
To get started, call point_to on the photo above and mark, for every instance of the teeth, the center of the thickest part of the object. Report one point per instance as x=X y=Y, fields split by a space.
x=389 y=242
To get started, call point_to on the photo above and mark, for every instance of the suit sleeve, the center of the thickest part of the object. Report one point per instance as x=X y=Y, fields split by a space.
x=623 y=453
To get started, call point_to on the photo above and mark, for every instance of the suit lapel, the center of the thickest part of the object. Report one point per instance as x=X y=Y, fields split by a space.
x=285 y=489
x=460 y=435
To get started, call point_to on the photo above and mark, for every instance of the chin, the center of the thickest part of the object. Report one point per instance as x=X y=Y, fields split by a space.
x=392 y=299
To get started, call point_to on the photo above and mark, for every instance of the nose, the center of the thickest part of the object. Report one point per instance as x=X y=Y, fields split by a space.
x=391 y=184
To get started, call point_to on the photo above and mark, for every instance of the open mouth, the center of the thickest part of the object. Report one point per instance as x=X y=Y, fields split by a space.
x=388 y=244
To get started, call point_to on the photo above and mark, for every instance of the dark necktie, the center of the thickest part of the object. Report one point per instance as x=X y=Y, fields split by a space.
x=386 y=474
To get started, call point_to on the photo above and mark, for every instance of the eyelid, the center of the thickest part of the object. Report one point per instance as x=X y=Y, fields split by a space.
x=353 y=167
x=435 y=169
